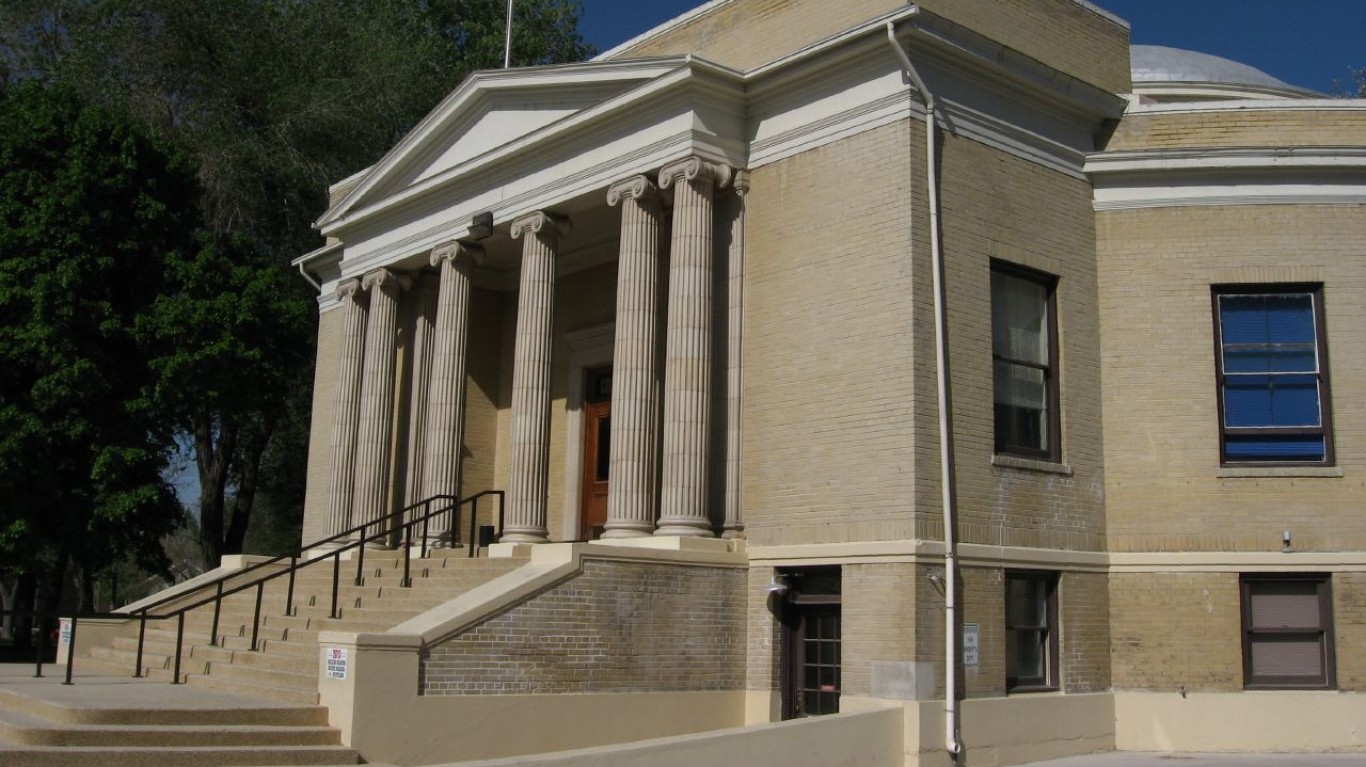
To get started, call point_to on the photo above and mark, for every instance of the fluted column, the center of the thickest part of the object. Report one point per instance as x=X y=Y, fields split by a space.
x=631 y=495
x=446 y=398
x=734 y=525
x=373 y=450
x=687 y=357
x=529 y=459
x=346 y=417
x=420 y=350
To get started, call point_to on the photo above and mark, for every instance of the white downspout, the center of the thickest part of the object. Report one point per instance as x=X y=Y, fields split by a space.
x=309 y=279
x=946 y=479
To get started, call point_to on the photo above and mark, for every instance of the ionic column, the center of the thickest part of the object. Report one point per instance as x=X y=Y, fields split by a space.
x=446 y=398
x=631 y=495
x=373 y=450
x=420 y=348
x=346 y=417
x=529 y=458
x=687 y=359
x=734 y=525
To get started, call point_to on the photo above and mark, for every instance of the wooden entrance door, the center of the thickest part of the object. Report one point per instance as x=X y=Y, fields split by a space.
x=811 y=643
x=597 y=451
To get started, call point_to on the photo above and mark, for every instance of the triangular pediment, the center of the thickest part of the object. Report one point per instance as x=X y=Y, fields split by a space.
x=488 y=111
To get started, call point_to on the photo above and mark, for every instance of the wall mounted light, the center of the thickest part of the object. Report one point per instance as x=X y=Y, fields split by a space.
x=778 y=585
x=481 y=226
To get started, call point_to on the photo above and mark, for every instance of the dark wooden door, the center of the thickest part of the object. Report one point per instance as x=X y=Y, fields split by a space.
x=597 y=451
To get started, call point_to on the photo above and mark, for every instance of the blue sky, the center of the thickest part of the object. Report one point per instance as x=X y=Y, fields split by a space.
x=1310 y=43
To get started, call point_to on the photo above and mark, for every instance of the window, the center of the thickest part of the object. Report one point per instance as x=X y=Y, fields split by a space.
x=1031 y=631
x=1024 y=347
x=1287 y=631
x=1273 y=382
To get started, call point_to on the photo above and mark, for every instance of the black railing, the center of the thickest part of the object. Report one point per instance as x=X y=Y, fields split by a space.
x=410 y=532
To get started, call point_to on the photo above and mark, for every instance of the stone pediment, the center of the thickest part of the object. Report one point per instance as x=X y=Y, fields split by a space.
x=490 y=110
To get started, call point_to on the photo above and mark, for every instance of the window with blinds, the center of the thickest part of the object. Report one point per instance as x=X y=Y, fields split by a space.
x=1287 y=631
x=1024 y=362
x=1273 y=382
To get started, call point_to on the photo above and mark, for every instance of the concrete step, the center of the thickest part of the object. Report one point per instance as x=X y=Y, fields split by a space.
x=299 y=678
x=262 y=692
x=111 y=701
x=202 y=756
x=27 y=730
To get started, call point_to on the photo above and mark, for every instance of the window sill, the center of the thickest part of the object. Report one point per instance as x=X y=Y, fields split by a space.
x=1031 y=464
x=1251 y=472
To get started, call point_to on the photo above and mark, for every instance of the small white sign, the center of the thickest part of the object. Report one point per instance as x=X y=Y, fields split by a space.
x=336 y=662
x=971 y=639
x=65 y=636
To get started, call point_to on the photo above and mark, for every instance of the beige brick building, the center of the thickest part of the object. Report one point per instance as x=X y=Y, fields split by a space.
x=839 y=358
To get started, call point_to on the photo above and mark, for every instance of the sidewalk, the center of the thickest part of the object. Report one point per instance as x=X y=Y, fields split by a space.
x=1137 y=759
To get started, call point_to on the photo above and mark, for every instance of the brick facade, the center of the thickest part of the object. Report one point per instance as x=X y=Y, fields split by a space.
x=615 y=627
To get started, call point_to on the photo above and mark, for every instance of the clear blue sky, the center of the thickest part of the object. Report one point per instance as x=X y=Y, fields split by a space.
x=1310 y=43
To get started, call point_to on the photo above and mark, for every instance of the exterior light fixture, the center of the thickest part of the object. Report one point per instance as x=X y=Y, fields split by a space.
x=481 y=226
x=778 y=585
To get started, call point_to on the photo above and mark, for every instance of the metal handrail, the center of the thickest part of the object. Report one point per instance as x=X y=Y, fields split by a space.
x=384 y=529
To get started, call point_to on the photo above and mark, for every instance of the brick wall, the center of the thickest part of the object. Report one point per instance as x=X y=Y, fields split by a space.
x=996 y=206
x=1164 y=490
x=827 y=353
x=616 y=627
x=1084 y=615
x=1240 y=128
x=1173 y=630
x=1349 y=625
x=747 y=33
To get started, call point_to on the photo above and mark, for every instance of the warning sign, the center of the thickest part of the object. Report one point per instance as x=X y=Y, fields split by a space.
x=336 y=662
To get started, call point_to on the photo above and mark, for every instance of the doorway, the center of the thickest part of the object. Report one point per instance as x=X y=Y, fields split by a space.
x=811 y=659
x=597 y=451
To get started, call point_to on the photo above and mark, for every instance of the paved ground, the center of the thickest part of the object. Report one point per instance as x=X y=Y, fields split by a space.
x=98 y=691
x=1132 y=759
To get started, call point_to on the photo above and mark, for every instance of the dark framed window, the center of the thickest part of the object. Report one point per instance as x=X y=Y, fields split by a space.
x=812 y=664
x=1271 y=361
x=1031 y=631
x=1024 y=354
x=1288 y=632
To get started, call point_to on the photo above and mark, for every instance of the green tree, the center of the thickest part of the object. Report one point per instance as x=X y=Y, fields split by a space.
x=91 y=208
x=272 y=100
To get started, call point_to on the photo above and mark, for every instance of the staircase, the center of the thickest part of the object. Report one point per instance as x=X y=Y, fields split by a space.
x=285 y=665
x=290 y=730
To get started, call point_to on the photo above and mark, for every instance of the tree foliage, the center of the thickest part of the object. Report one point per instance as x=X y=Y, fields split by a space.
x=271 y=100
x=91 y=209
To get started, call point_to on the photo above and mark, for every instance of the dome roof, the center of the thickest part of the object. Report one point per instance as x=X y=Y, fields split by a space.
x=1160 y=64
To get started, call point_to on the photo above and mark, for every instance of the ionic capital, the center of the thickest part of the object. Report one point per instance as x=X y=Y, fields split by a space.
x=388 y=281
x=348 y=289
x=539 y=221
x=634 y=188
x=694 y=168
x=457 y=252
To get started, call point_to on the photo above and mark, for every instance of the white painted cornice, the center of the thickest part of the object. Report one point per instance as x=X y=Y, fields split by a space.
x=1233 y=176
x=1250 y=105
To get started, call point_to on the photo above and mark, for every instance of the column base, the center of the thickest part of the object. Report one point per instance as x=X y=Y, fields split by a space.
x=685 y=528
x=524 y=536
x=628 y=530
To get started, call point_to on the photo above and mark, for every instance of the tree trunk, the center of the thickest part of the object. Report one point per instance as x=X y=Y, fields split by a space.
x=25 y=593
x=213 y=455
x=245 y=497
x=7 y=592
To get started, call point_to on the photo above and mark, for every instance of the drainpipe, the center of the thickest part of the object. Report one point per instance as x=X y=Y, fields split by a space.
x=309 y=278
x=946 y=479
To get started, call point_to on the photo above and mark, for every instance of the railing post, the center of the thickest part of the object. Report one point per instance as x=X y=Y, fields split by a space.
x=360 y=558
x=142 y=635
x=42 y=646
x=179 y=641
x=289 y=596
x=256 y=618
x=217 y=609
x=474 y=520
x=336 y=573
x=407 y=558
x=70 y=646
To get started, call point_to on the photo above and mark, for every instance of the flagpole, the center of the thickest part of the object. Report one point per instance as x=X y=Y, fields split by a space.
x=507 y=46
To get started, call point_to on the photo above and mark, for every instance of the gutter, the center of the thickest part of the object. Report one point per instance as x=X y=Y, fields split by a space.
x=952 y=744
